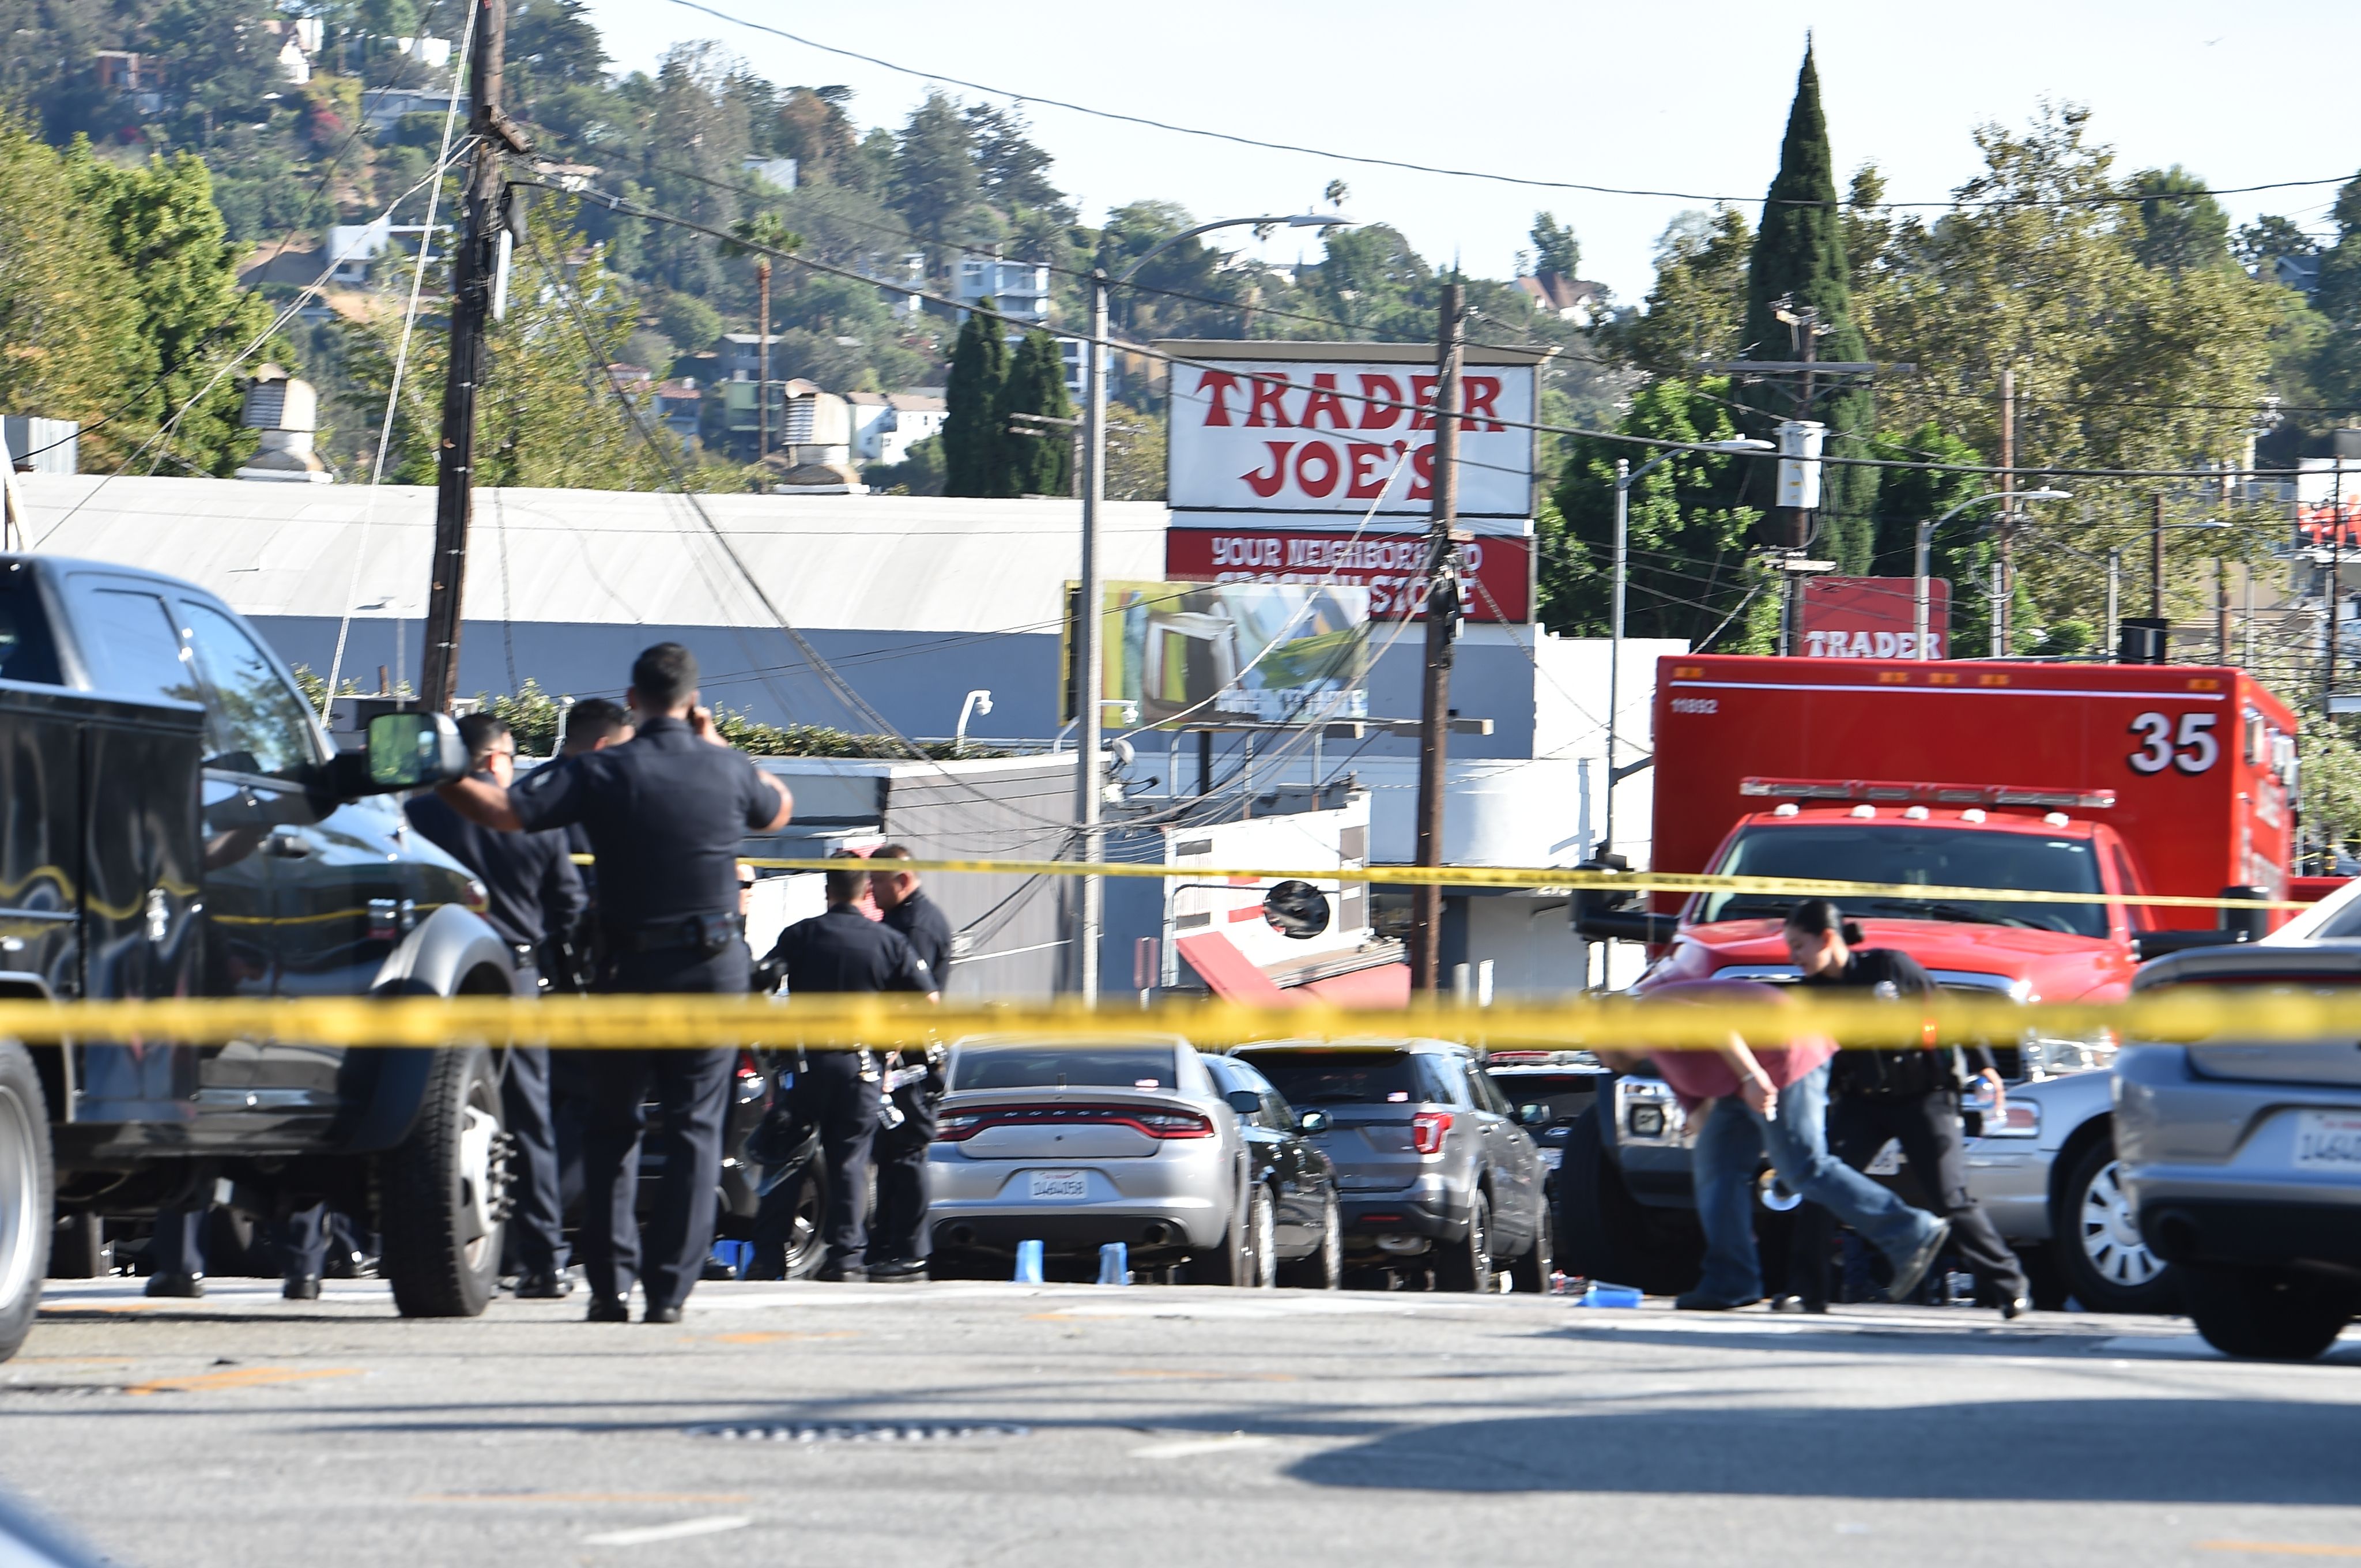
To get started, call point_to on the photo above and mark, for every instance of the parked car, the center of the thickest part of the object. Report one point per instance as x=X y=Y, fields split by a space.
x=1078 y=1143
x=1434 y=1169
x=2047 y=1174
x=2242 y=1158
x=1285 y=1162
x=177 y=823
x=1563 y=1083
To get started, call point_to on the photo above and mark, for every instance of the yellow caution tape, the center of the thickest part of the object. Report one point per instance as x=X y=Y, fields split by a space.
x=1539 y=877
x=2299 y=1011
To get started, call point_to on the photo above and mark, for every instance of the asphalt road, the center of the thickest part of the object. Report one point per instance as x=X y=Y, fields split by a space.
x=991 y=1424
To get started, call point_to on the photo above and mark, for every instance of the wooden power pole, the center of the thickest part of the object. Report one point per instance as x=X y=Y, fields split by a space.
x=1441 y=619
x=474 y=261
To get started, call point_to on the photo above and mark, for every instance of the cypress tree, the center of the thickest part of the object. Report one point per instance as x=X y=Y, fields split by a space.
x=974 y=426
x=1799 y=255
x=1042 y=463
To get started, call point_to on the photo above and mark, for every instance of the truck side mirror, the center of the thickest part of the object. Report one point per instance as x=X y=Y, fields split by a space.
x=405 y=751
x=1604 y=915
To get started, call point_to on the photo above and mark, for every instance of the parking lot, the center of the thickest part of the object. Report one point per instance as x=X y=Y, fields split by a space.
x=992 y=1423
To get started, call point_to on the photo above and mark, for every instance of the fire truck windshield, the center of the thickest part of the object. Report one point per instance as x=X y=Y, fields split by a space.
x=1931 y=857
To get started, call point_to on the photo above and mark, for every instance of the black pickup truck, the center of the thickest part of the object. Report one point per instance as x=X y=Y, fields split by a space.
x=174 y=822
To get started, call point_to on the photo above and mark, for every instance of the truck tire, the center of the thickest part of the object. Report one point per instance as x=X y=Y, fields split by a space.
x=2265 y=1314
x=27 y=1172
x=444 y=1192
x=1321 y=1269
x=1532 y=1272
x=2108 y=1268
x=1467 y=1265
x=1604 y=1232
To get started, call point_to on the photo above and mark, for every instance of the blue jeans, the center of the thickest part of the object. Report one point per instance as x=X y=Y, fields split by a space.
x=1730 y=1143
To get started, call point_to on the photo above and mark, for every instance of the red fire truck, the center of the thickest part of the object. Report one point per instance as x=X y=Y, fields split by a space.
x=2118 y=778
x=2113 y=779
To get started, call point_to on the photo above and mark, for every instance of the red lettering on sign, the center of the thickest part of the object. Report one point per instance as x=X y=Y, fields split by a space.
x=1483 y=394
x=1322 y=453
x=1218 y=385
x=1323 y=397
x=1366 y=482
x=1422 y=474
x=1380 y=389
x=1267 y=395
x=1421 y=395
x=1267 y=485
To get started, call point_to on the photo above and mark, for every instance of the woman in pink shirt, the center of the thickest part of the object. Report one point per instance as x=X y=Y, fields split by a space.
x=1746 y=1102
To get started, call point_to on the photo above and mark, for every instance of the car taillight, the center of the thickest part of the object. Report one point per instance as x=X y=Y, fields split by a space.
x=964 y=1124
x=957 y=1129
x=477 y=899
x=1170 y=1124
x=750 y=1084
x=1426 y=1130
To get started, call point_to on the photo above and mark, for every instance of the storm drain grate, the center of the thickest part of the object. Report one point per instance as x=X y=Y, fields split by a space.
x=902 y=1432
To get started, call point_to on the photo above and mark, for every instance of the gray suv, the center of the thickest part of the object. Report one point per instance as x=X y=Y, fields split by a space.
x=1434 y=1168
x=2242 y=1158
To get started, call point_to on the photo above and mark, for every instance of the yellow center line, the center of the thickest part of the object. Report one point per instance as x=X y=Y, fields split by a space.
x=772 y=1336
x=238 y=1377
x=2282 y=1548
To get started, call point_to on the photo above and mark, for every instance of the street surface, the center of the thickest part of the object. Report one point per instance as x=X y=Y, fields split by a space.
x=1032 y=1425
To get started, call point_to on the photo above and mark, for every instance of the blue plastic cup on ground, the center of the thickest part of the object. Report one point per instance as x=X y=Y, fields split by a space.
x=734 y=1257
x=1028 y=1263
x=1114 y=1263
x=1612 y=1296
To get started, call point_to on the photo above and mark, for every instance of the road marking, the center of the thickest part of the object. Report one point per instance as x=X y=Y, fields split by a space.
x=238 y=1377
x=770 y=1336
x=2282 y=1548
x=583 y=1497
x=680 y=1531
x=1186 y=1448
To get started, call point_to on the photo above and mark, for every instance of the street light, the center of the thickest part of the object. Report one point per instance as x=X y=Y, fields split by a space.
x=1926 y=536
x=1088 y=779
x=1625 y=477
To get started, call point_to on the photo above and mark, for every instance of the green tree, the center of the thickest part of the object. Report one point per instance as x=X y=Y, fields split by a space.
x=1554 y=248
x=68 y=347
x=975 y=427
x=2181 y=225
x=1693 y=311
x=1041 y=463
x=188 y=312
x=935 y=175
x=1692 y=573
x=2269 y=238
x=1799 y=268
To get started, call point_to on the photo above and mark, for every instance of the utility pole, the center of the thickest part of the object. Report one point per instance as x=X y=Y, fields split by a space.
x=1089 y=677
x=2156 y=557
x=1442 y=617
x=2335 y=595
x=763 y=362
x=474 y=261
x=2003 y=621
x=2221 y=608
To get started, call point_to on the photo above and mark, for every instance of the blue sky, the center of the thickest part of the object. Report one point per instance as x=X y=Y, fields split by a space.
x=1688 y=98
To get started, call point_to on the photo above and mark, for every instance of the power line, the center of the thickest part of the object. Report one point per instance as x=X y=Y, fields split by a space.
x=1455 y=173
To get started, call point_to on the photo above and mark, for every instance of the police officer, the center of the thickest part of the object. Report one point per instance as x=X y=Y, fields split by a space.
x=592 y=724
x=839 y=950
x=665 y=811
x=535 y=899
x=897 y=1249
x=1911 y=1096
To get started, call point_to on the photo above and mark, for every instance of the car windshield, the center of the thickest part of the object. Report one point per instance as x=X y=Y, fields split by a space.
x=1065 y=1067
x=1928 y=856
x=1349 y=1078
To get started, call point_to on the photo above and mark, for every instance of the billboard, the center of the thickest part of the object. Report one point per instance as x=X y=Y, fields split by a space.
x=1392 y=566
x=1872 y=618
x=1338 y=428
x=1231 y=653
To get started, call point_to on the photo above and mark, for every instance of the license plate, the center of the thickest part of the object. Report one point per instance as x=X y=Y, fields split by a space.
x=2328 y=1140
x=1052 y=1184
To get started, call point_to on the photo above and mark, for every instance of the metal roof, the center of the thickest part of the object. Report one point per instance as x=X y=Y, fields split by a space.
x=848 y=563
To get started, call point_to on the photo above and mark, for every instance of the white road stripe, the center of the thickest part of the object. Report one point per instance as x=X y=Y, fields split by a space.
x=1186 y=1447
x=653 y=1533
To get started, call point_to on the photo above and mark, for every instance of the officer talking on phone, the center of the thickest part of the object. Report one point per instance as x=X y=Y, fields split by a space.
x=665 y=812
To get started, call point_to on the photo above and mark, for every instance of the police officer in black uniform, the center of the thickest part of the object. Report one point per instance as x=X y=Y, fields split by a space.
x=665 y=812
x=838 y=1092
x=898 y=1246
x=1908 y=1095
x=535 y=899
